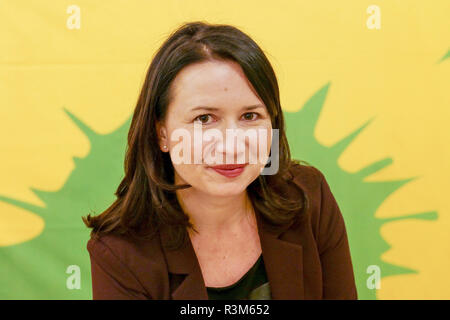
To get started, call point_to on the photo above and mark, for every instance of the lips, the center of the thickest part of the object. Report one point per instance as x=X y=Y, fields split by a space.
x=229 y=170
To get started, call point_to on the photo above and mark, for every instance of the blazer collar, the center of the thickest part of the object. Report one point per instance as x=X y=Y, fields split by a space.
x=283 y=261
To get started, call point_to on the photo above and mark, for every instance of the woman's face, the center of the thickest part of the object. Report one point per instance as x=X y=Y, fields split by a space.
x=208 y=99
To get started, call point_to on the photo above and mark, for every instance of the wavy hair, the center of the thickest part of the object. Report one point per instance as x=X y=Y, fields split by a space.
x=146 y=198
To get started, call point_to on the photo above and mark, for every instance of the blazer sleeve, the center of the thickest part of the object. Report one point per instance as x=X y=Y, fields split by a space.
x=111 y=278
x=337 y=269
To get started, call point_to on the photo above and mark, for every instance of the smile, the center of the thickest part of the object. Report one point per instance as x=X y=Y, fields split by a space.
x=229 y=170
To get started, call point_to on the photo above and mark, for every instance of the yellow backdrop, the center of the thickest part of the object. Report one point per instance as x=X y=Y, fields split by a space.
x=70 y=73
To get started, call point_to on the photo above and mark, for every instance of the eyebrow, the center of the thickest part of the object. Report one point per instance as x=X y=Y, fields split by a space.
x=255 y=106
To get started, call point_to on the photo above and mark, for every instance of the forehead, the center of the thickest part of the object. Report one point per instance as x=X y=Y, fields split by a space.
x=212 y=83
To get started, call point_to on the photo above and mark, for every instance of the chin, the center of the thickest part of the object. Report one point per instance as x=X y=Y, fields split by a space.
x=224 y=190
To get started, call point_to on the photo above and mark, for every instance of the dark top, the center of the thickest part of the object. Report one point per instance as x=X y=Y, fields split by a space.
x=252 y=286
x=306 y=260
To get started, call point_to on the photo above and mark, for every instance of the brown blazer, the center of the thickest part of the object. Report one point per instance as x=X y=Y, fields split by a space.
x=308 y=261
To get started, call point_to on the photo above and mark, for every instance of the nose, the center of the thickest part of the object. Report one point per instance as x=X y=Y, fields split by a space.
x=231 y=147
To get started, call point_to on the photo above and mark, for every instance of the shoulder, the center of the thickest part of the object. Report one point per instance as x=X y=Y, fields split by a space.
x=305 y=177
x=308 y=177
x=125 y=252
x=322 y=212
x=314 y=184
x=123 y=268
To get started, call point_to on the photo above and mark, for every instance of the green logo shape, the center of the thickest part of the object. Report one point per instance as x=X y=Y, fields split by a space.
x=36 y=269
x=357 y=199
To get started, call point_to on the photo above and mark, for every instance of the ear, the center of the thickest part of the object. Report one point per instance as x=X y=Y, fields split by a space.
x=163 y=142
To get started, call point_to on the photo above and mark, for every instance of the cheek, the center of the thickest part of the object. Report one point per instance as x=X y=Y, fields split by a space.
x=270 y=140
x=188 y=173
x=181 y=145
x=260 y=148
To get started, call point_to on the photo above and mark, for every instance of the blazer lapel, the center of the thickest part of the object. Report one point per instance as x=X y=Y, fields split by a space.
x=183 y=265
x=283 y=261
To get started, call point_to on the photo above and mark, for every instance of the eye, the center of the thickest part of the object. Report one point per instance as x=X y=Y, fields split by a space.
x=249 y=116
x=203 y=118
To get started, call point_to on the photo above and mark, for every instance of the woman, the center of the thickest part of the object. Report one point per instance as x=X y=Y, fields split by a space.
x=188 y=224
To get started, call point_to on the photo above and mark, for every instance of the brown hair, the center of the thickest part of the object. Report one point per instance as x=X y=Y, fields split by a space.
x=146 y=198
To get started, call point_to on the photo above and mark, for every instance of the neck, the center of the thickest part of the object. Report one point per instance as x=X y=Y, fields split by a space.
x=215 y=215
